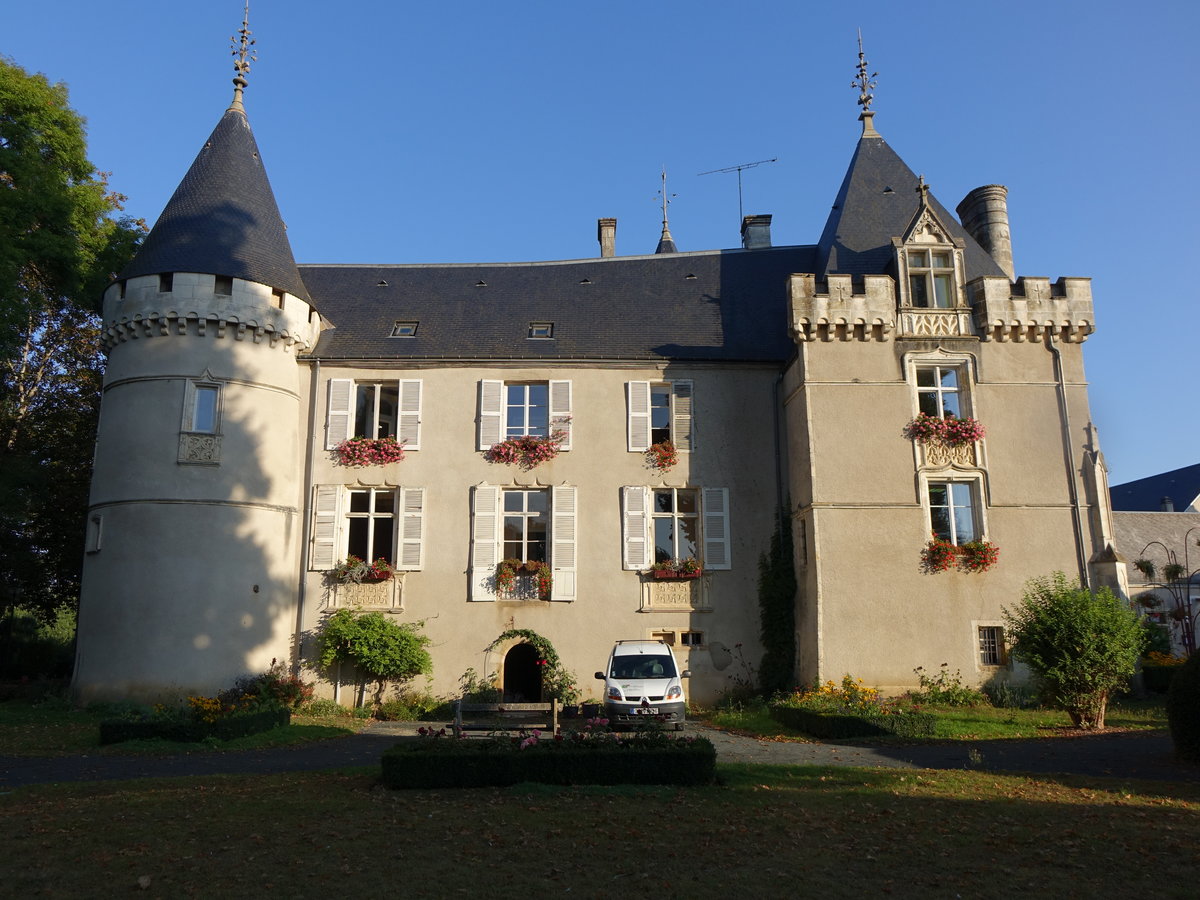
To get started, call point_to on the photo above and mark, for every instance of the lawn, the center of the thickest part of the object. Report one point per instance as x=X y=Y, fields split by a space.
x=54 y=727
x=960 y=722
x=769 y=831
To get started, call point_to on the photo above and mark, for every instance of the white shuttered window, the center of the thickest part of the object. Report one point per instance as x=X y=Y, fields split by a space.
x=659 y=411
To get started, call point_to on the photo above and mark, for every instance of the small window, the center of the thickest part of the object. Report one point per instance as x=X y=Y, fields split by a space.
x=204 y=409
x=277 y=298
x=541 y=330
x=527 y=410
x=952 y=511
x=223 y=286
x=938 y=391
x=991 y=645
x=931 y=278
x=371 y=525
x=121 y=284
x=676 y=524
x=404 y=329
x=95 y=532
x=375 y=407
x=526 y=525
x=166 y=282
x=667 y=637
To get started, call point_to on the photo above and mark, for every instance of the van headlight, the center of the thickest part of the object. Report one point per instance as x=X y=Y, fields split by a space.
x=674 y=692
x=614 y=693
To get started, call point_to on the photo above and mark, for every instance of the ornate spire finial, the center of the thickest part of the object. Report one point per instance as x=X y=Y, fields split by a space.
x=666 y=243
x=241 y=44
x=923 y=189
x=865 y=83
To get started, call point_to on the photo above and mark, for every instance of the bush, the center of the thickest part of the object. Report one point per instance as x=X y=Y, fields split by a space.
x=35 y=649
x=276 y=684
x=412 y=706
x=179 y=728
x=377 y=647
x=447 y=762
x=823 y=724
x=324 y=707
x=1003 y=694
x=1183 y=709
x=944 y=689
x=1082 y=646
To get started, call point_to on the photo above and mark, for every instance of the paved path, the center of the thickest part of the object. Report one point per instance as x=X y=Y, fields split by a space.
x=1124 y=755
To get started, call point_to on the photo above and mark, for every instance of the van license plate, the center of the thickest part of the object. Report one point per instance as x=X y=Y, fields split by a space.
x=646 y=711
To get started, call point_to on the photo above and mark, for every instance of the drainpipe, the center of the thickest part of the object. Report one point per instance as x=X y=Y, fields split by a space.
x=1069 y=453
x=306 y=525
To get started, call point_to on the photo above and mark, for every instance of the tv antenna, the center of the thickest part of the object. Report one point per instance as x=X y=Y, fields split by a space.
x=738 y=169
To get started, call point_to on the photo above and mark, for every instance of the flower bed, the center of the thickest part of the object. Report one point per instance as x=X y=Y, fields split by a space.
x=449 y=762
x=361 y=451
x=191 y=730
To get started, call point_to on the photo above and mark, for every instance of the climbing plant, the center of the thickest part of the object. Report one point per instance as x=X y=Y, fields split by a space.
x=557 y=681
x=777 y=610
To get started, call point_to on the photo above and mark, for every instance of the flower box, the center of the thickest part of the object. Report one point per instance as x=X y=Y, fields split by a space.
x=359 y=451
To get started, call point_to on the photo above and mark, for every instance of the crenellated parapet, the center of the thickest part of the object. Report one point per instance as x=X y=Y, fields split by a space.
x=1030 y=308
x=199 y=305
x=837 y=313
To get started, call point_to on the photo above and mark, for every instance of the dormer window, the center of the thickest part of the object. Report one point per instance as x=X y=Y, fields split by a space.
x=931 y=278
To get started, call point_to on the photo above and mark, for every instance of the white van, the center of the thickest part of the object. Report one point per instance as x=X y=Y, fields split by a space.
x=642 y=683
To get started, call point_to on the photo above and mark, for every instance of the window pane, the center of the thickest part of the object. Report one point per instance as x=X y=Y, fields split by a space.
x=942 y=291
x=961 y=493
x=389 y=402
x=537 y=501
x=514 y=501
x=939 y=518
x=382 y=545
x=360 y=501
x=948 y=378
x=686 y=501
x=664 y=542
x=204 y=416
x=357 y=544
x=689 y=538
x=539 y=394
x=385 y=502
x=918 y=289
x=950 y=405
x=917 y=258
x=937 y=495
x=928 y=403
x=364 y=411
x=514 y=529
x=941 y=260
x=926 y=377
x=662 y=501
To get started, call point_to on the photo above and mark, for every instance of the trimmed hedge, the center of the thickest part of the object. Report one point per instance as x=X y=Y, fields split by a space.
x=835 y=725
x=1183 y=709
x=451 y=763
x=226 y=728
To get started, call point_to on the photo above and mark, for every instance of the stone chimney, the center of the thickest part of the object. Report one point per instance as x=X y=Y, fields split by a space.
x=1167 y=504
x=756 y=232
x=606 y=233
x=984 y=214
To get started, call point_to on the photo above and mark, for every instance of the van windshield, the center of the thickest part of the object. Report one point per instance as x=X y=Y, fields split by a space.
x=643 y=667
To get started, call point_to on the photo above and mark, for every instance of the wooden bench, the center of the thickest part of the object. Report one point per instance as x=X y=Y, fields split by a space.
x=503 y=713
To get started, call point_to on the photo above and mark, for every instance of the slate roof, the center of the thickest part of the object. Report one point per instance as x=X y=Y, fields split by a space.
x=1146 y=494
x=223 y=219
x=877 y=202
x=1133 y=531
x=719 y=305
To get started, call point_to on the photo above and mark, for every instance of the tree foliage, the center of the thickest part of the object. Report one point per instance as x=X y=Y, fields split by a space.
x=59 y=245
x=1081 y=645
x=379 y=649
x=777 y=611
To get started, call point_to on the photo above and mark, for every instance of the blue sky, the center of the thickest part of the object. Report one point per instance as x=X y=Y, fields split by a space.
x=477 y=132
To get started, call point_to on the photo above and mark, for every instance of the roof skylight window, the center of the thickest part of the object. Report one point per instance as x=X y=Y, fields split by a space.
x=404 y=329
x=541 y=330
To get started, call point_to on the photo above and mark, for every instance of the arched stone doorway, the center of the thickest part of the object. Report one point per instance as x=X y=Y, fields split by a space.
x=522 y=675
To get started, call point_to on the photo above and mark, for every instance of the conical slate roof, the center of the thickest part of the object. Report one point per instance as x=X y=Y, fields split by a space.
x=223 y=219
x=876 y=202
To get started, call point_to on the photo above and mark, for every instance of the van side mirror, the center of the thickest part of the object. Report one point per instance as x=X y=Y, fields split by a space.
x=600 y=675
x=686 y=673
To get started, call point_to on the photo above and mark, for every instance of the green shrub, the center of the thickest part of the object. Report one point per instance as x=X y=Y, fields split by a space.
x=446 y=762
x=178 y=728
x=37 y=649
x=866 y=723
x=377 y=647
x=323 y=707
x=1082 y=646
x=411 y=706
x=944 y=689
x=1003 y=694
x=275 y=684
x=1183 y=709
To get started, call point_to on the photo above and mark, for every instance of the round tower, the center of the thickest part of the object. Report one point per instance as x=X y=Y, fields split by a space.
x=195 y=522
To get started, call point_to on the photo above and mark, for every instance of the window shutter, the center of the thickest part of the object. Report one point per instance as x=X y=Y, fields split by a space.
x=410 y=554
x=339 y=415
x=716 y=528
x=681 y=416
x=409 y=430
x=563 y=536
x=485 y=541
x=324 y=553
x=635 y=501
x=637 y=395
x=560 y=411
x=491 y=413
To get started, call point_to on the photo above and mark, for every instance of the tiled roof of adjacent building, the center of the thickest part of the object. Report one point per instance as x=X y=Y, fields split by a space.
x=1182 y=486
x=877 y=201
x=718 y=305
x=223 y=219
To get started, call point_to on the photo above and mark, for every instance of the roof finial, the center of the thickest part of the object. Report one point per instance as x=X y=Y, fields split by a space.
x=241 y=44
x=666 y=243
x=865 y=84
x=923 y=190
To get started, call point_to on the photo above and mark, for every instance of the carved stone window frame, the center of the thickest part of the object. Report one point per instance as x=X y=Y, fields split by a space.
x=965 y=363
x=928 y=234
x=201 y=447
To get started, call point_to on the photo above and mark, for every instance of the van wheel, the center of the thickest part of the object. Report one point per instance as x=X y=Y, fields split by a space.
x=679 y=726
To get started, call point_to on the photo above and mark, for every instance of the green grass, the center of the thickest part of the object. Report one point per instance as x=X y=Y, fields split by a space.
x=55 y=728
x=960 y=722
x=770 y=831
